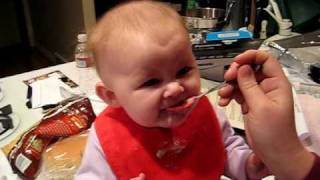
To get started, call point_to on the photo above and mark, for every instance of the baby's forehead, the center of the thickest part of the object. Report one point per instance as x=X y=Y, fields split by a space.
x=120 y=28
x=134 y=48
x=149 y=18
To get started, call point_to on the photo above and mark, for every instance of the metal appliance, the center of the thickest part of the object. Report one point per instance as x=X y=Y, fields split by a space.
x=213 y=46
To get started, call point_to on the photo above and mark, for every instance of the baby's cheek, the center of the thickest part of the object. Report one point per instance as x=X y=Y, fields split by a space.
x=194 y=85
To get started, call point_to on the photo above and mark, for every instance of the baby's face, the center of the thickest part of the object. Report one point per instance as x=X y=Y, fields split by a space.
x=153 y=82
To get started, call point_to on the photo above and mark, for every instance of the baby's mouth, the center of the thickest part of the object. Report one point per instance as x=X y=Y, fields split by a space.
x=182 y=105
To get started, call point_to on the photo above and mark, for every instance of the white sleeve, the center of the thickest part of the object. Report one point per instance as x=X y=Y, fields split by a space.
x=94 y=165
x=236 y=148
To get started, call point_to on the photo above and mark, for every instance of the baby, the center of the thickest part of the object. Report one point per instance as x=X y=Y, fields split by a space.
x=150 y=129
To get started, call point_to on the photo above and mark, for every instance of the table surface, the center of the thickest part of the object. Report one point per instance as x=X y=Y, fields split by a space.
x=15 y=92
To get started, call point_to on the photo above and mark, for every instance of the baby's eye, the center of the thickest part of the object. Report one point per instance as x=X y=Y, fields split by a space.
x=183 y=71
x=151 y=82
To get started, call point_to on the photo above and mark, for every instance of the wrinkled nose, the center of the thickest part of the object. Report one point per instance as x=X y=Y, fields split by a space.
x=173 y=89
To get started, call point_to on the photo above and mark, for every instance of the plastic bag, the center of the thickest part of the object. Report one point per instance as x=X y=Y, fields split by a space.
x=62 y=159
x=70 y=117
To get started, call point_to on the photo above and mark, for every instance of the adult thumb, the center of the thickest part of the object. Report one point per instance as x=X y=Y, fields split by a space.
x=248 y=86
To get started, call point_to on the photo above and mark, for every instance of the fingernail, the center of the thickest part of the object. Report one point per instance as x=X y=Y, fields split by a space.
x=245 y=70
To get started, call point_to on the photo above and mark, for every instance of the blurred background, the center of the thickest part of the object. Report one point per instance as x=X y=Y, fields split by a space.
x=41 y=33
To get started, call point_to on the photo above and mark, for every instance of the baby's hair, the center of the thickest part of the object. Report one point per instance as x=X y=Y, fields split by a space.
x=135 y=18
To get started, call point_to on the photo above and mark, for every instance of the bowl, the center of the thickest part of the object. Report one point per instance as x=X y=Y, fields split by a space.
x=211 y=13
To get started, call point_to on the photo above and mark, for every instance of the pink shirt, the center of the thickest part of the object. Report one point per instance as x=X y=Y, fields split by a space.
x=94 y=164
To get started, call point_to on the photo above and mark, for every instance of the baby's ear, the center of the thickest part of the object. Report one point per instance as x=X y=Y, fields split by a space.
x=106 y=95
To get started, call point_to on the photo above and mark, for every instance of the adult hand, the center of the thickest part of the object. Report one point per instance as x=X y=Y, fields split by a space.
x=255 y=168
x=267 y=104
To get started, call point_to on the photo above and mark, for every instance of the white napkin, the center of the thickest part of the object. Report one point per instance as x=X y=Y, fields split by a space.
x=47 y=91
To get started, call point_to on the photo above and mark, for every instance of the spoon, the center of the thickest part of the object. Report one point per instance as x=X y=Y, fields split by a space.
x=193 y=101
x=211 y=89
x=255 y=67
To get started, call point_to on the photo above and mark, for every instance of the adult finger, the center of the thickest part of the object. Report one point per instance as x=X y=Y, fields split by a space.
x=248 y=86
x=270 y=66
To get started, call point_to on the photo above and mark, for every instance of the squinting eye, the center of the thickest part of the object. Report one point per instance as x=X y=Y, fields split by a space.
x=183 y=71
x=151 y=82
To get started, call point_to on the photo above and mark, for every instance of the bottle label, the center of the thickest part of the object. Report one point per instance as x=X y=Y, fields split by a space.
x=82 y=61
x=22 y=162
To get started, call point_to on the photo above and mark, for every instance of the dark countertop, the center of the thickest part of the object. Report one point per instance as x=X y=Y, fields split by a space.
x=301 y=40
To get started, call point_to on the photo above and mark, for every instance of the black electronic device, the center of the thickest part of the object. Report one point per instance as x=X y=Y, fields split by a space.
x=213 y=58
x=315 y=72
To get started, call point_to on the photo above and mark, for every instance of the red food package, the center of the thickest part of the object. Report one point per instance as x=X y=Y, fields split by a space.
x=70 y=117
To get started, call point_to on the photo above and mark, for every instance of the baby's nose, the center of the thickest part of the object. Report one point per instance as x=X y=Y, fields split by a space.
x=173 y=89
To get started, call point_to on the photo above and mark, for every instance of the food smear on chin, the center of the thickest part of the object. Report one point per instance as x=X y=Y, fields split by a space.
x=181 y=106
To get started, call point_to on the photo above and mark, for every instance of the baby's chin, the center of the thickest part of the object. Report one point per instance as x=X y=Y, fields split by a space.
x=165 y=123
x=173 y=122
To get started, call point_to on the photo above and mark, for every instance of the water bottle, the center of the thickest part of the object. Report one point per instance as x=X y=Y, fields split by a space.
x=83 y=56
x=84 y=60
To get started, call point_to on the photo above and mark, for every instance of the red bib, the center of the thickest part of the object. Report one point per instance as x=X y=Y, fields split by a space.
x=194 y=150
